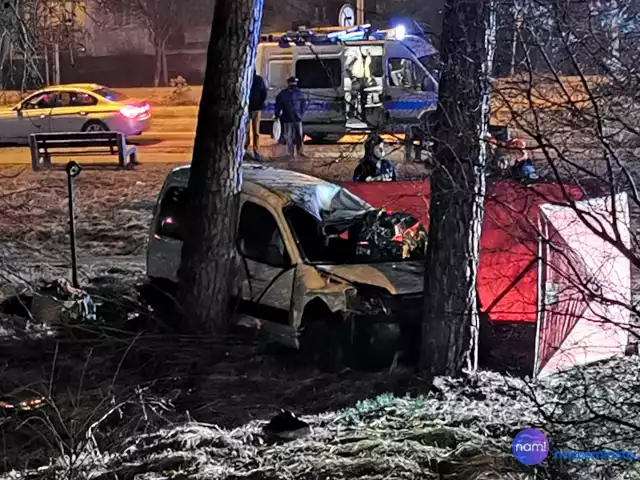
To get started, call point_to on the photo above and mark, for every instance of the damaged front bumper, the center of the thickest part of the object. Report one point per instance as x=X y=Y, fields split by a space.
x=384 y=326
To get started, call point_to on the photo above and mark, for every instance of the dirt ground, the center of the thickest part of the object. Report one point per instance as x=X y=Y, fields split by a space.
x=85 y=369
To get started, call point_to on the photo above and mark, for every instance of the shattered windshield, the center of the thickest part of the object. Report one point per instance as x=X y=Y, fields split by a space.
x=347 y=230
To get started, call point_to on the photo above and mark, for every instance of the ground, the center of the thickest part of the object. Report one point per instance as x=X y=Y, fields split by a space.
x=104 y=382
x=113 y=210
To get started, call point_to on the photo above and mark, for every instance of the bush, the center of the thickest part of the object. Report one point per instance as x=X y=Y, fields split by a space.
x=181 y=94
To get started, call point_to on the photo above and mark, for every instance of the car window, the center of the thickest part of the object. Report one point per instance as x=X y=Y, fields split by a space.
x=404 y=73
x=260 y=238
x=110 y=94
x=39 y=100
x=81 y=99
x=61 y=99
x=171 y=216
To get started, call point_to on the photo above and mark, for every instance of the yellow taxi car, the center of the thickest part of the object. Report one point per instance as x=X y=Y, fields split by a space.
x=80 y=107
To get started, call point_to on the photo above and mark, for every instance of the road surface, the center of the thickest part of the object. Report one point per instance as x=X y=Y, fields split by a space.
x=170 y=140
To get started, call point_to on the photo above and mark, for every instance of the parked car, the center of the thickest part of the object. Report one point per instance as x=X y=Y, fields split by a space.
x=315 y=261
x=73 y=108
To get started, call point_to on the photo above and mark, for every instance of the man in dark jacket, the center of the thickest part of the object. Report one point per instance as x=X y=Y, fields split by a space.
x=257 y=97
x=290 y=107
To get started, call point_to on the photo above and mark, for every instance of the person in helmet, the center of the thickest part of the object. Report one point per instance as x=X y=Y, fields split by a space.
x=373 y=167
x=522 y=167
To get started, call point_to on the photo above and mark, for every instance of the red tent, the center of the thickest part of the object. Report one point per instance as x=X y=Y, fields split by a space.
x=515 y=215
x=507 y=275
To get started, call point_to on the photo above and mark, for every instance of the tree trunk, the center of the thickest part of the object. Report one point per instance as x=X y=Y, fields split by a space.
x=165 y=70
x=157 y=71
x=214 y=185
x=450 y=324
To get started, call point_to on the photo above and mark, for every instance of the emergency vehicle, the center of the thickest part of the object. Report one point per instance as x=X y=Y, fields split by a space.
x=355 y=79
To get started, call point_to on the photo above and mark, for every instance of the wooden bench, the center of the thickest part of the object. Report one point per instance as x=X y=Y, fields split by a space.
x=46 y=145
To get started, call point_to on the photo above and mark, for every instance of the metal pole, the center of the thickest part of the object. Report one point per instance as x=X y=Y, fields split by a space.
x=56 y=63
x=360 y=12
x=47 y=78
x=73 y=169
x=540 y=304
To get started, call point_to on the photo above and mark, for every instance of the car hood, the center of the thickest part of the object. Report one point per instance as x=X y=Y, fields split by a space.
x=399 y=278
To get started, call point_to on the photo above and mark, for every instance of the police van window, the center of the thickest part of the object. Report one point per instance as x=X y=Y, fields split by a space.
x=279 y=71
x=377 y=67
x=404 y=73
x=260 y=238
x=171 y=217
x=319 y=73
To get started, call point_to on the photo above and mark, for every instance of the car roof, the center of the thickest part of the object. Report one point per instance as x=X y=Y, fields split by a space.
x=281 y=182
x=79 y=86
x=70 y=87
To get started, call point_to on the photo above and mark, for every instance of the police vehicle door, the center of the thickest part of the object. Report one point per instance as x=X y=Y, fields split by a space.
x=319 y=73
x=405 y=98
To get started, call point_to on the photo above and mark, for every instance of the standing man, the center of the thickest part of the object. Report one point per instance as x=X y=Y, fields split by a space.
x=257 y=97
x=290 y=108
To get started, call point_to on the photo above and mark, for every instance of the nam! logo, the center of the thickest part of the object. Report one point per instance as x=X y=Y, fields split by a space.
x=530 y=446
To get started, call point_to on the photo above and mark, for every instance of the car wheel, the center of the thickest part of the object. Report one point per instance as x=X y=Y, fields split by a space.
x=323 y=340
x=95 y=126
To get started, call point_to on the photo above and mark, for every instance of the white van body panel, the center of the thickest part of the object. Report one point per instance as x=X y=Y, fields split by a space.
x=401 y=107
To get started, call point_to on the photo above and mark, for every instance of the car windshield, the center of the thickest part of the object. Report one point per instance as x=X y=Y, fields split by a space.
x=110 y=94
x=350 y=234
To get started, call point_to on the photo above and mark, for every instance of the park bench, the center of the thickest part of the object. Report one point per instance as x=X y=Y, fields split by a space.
x=44 y=146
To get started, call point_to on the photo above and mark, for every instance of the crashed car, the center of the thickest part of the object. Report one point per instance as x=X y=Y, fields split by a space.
x=316 y=264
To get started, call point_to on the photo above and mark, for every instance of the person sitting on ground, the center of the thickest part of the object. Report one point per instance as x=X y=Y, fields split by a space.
x=373 y=167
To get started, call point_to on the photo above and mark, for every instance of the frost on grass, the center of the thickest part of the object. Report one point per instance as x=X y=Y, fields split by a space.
x=463 y=429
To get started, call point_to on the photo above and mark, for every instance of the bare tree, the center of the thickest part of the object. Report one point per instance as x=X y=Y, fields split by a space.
x=29 y=31
x=450 y=325
x=215 y=179
x=162 y=19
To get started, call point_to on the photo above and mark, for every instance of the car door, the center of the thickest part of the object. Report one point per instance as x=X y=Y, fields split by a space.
x=407 y=87
x=69 y=111
x=321 y=80
x=268 y=268
x=30 y=116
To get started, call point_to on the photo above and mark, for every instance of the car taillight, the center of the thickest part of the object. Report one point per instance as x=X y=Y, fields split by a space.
x=134 y=111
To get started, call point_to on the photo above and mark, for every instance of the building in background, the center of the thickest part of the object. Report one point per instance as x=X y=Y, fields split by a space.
x=116 y=35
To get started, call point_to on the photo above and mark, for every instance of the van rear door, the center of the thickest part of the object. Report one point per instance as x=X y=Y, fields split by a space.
x=319 y=73
x=274 y=65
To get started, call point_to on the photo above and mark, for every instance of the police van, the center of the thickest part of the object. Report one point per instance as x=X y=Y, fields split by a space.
x=355 y=80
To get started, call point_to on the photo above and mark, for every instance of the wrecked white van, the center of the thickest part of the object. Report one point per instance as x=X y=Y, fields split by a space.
x=318 y=264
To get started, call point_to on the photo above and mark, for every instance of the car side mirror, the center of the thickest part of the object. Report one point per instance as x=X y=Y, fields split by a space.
x=429 y=84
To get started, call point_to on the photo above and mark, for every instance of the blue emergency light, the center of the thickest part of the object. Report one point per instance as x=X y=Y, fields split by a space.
x=302 y=37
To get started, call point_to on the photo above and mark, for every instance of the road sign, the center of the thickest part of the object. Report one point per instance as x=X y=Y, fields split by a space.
x=346 y=17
